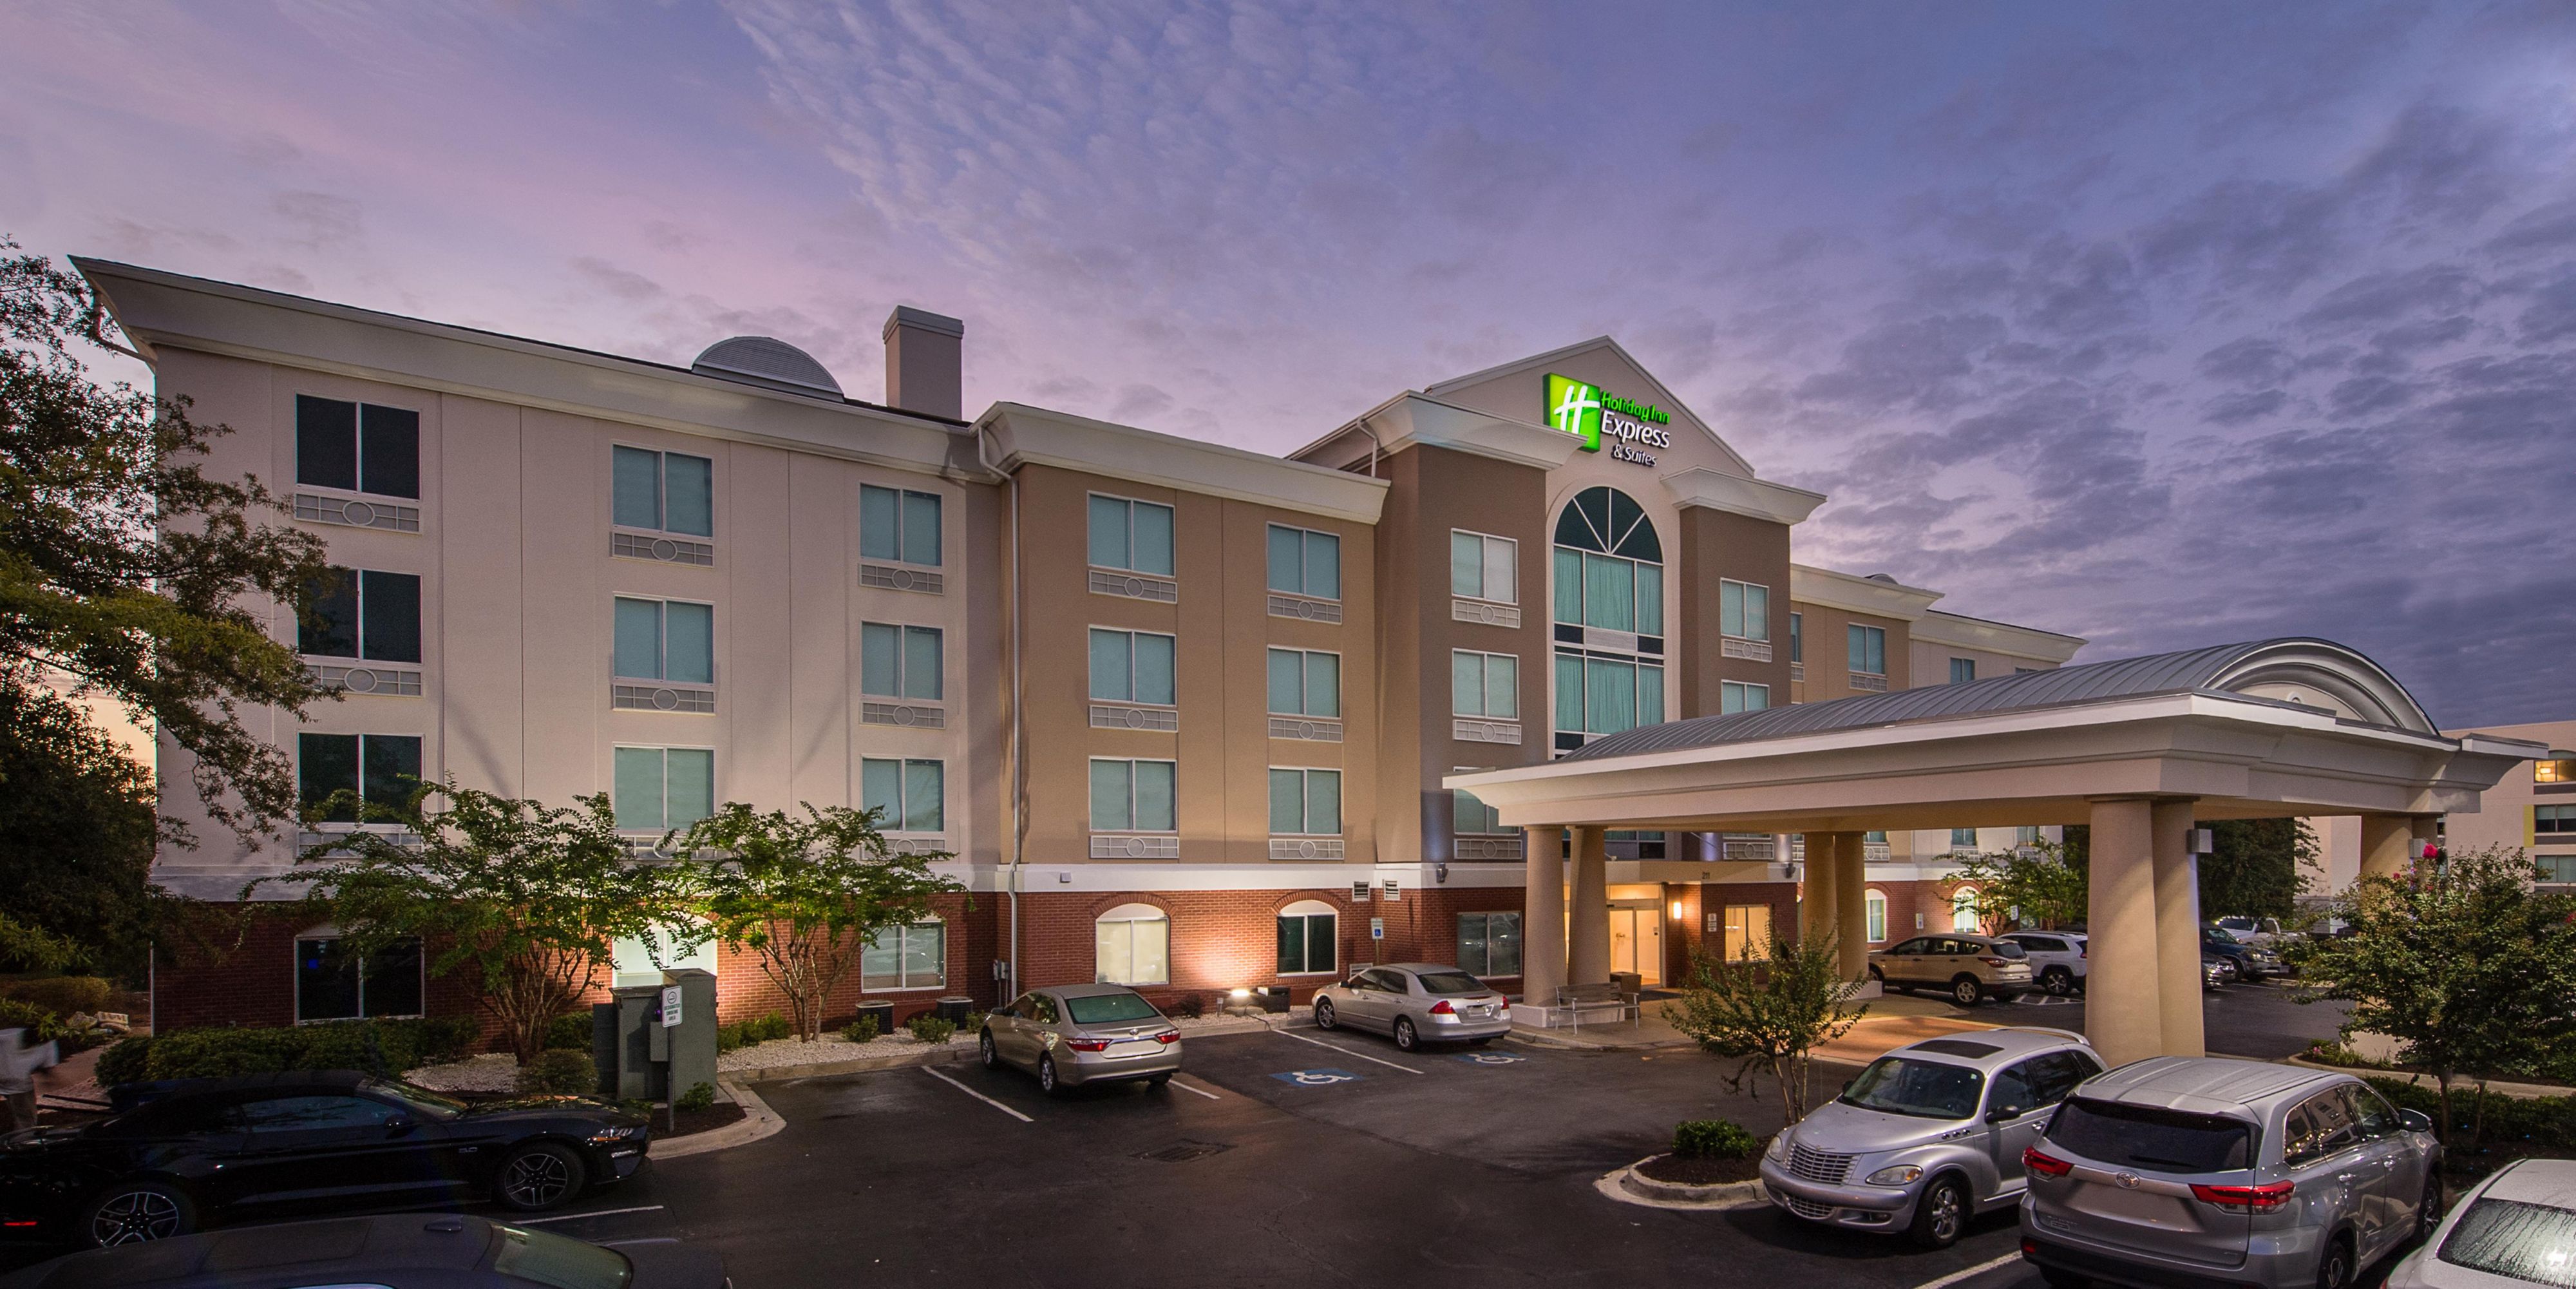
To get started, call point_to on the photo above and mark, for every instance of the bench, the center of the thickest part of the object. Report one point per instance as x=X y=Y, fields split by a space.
x=1574 y=1001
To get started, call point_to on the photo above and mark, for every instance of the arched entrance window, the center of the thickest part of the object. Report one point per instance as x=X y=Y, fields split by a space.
x=1132 y=945
x=1963 y=909
x=1876 y=903
x=1306 y=938
x=1608 y=572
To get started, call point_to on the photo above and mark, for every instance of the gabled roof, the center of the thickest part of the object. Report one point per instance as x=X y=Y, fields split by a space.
x=1661 y=393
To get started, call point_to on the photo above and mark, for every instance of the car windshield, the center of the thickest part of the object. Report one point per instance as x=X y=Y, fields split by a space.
x=1111 y=1009
x=1924 y=1089
x=428 y=1105
x=1450 y=982
x=2505 y=1237
x=560 y=1262
x=2165 y=1141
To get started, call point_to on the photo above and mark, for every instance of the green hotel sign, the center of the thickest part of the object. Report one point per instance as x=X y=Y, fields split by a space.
x=1581 y=409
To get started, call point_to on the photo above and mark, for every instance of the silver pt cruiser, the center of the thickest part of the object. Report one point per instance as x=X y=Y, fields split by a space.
x=1928 y=1135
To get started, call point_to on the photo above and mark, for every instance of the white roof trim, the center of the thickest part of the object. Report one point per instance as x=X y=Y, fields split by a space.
x=1937 y=627
x=1025 y=435
x=1857 y=594
x=1740 y=495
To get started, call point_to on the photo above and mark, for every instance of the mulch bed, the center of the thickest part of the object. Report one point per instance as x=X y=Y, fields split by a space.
x=696 y=1121
x=1700 y=1172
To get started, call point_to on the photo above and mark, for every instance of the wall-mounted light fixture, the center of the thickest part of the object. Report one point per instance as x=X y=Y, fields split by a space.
x=1677 y=911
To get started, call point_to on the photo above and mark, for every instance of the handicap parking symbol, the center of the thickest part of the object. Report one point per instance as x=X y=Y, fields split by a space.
x=1490 y=1058
x=1316 y=1078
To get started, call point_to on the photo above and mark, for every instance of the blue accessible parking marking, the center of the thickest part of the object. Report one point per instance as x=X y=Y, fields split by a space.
x=1490 y=1058
x=1316 y=1078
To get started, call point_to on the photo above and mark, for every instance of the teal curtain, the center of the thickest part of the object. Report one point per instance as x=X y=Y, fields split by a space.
x=688 y=495
x=1466 y=683
x=1757 y=613
x=1569 y=586
x=1287 y=802
x=1569 y=692
x=1324 y=802
x=1466 y=564
x=924 y=796
x=881 y=790
x=1109 y=545
x=880 y=659
x=1323 y=684
x=689 y=785
x=1287 y=682
x=1156 y=810
x=1153 y=668
x=1609 y=696
x=1469 y=814
x=1650 y=599
x=1730 y=608
x=880 y=518
x=638 y=788
x=690 y=648
x=1113 y=795
x=1287 y=554
x=639 y=639
x=1113 y=666
x=921 y=528
x=1609 y=593
x=1502 y=686
x=637 y=475
x=921 y=663
x=1650 y=695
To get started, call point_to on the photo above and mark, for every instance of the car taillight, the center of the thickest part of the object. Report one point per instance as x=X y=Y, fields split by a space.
x=1087 y=1044
x=1996 y=962
x=1168 y=1036
x=2084 y=950
x=1442 y=1008
x=2033 y=1161
x=2251 y=1199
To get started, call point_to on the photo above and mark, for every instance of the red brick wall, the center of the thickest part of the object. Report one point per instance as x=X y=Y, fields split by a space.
x=244 y=974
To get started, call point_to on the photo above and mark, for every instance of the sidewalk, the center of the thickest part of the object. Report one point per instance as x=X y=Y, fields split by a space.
x=1891 y=1023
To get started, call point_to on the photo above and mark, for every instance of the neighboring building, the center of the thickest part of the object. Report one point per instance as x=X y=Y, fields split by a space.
x=2534 y=807
x=1177 y=710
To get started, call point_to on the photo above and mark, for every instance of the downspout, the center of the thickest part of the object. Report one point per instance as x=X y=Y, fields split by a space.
x=1019 y=815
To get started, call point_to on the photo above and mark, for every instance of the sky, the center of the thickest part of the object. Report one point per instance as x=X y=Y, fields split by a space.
x=2162 y=324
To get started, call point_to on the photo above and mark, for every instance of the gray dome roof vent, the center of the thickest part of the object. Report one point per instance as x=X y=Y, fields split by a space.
x=768 y=363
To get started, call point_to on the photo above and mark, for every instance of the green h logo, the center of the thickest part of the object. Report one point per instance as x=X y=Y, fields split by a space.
x=1574 y=407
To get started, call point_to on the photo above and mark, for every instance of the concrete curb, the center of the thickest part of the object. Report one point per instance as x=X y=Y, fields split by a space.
x=2518 y=1091
x=1627 y=1186
x=950 y=1051
x=757 y=1121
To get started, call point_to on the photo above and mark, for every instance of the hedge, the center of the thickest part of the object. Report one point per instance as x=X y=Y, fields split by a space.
x=1714 y=1139
x=62 y=995
x=558 y=1072
x=2545 y=1122
x=382 y=1047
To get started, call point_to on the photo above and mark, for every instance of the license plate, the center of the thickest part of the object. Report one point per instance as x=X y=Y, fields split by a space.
x=1132 y=1047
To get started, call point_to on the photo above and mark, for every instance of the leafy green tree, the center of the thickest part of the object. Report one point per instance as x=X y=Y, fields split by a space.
x=805 y=895
x=76 y=839
x=2035 y=886
x=126 y=568
x=2257 y=867
x=1769 y=1016
x=526 y=899
x=2463 y=962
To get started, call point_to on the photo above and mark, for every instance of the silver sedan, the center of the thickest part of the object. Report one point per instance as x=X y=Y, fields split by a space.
x=1070 y=1035
x=1415 y=1003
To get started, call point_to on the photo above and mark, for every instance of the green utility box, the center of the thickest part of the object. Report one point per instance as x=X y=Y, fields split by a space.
x=646 y=1053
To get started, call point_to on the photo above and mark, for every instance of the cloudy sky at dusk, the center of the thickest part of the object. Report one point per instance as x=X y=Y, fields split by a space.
x=2162 y=324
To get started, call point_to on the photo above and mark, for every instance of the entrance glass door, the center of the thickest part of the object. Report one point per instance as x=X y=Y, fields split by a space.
x=1637 y=943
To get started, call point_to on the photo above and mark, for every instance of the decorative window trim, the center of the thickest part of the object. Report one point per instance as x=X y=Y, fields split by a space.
x=645 y=544
x=904 y=714
x=344 y=677
x=902 y=577
x=360 y=511
x=1485 y=613
x=1305 y=608
x=1135 y=845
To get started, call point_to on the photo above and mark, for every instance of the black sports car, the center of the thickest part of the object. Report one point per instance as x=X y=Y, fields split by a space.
x=290 y=1143
x=413 y=1250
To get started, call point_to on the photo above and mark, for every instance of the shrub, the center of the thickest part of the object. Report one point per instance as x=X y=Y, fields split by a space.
x=570 y=1032
x=381 y=1047
x=63 y=995
x=699 y=1097
x=862 y=1030
x=974 y=1022
x=1189 y=1005
x=928 y=1028
x=744 y=1033
x=561 y=1073
x=124 y=1062
x=1713 y=1139
x=41 y=1024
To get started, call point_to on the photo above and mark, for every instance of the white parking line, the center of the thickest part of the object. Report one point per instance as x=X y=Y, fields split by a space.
x=1345 y=1051
x=977 y=1095
x=1958 y=1277
x=1201 y=1091
x=575 y=1217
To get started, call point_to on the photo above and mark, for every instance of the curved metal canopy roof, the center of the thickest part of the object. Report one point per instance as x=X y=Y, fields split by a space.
x=2297 y=670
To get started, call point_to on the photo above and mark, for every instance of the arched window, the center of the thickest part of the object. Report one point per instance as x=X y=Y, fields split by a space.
x=1876 y=903
x=1132 y=945
x=1609 y=577
x=632 y=963
x=1963 y=909
x=1306 y=938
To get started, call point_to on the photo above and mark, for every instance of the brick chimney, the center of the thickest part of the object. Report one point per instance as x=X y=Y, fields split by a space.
x=922 y=365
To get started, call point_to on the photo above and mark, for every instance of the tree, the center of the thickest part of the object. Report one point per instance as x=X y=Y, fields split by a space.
x=2036 y=886
x=2463 y=962
x=76 y=838
x=805 y=895
x=2256 y=867
x=1769 y=1016
x=126 y=568
x=528 y=900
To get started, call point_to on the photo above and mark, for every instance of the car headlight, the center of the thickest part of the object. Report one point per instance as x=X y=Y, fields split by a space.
x=1899 y=1175
x=606 y=1136
x=1779 y=1148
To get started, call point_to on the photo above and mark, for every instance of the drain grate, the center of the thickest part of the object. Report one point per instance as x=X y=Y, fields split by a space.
x=1186 y=1151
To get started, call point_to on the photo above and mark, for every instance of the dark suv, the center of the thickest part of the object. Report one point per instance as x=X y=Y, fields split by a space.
x=2250 y=962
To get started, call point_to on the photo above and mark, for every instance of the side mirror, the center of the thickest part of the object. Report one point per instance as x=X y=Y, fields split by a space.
x=2415 y=1120
x=1997 y=1114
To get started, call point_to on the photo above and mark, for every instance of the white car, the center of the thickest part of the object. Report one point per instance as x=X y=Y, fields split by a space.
x=2260 y=931
x=2056 y=958
x=2517 y=1227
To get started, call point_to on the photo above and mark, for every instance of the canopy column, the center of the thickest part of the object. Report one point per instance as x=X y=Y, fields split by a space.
x=1819 y=904
x=2177 y=886
x=1587 y=927
x=2386 y=842
x=1543 y=916
x=2123 y=1012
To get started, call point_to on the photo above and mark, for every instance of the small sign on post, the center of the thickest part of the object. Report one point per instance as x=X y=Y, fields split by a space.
x=1377 y=928
x=671 y=1007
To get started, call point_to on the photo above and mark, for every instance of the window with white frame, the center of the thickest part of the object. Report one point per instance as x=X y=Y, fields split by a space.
x=334 y=982
x=1305 y=682
x=898 y=525
x=910 y=795
x=1131 y=666
x=1867 y=648
x=1305 y=562
x=906 y=957
x=900 y=661
x=1132 y=796
x=2553 y=823
x=1962 y=670
x=1743 y=610
x=2555 y=770
x=1484 y=567
x=1797 y=637
x=1609 y=564
x=1485 y=684
x=1132 y=945
x=1470 y=816
x=657 y=789
x=666 y=640
x=1963 y=909
x=1307 y=938
x=361 y=613
x=381 y=770
x=1963 y=839
x=1739 y=696
x=357 y=447
x=2026 y=835
x=1875 y=904
x=1746 y=933
x=1131 y=535
x=1489 y=944
x=1305 y=802
x=665 y=492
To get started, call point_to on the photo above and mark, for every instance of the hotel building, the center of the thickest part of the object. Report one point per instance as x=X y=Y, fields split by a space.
x=1176 y=714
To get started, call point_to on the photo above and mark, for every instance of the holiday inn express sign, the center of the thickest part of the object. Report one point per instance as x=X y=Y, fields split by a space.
x=1581 y=409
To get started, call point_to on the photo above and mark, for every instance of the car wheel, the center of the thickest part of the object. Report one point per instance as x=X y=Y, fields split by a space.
x=2334 y=1267
x=1967 y=991
x=984 y=1048
x=1878 y=975
x=2057 y=981
x=2228 y=972
x=1324 y=1013
x=136 y=1212
x=1942 y=1214
x=538 y=1176
x=1046 y=1076
x=1158 y=1080
x=1405 y=1038
x=2428 y=1211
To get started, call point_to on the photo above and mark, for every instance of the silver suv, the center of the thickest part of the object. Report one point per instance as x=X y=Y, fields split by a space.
x=1928 y=1134
x=2197 y=1170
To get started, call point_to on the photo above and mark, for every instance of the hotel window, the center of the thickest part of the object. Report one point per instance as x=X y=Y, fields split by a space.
x=670 y=640
x=1306 y=938
x=1743 y=610
x=1471 y=817
x=361 y=613
x=1131 y=667
x=1963 y=909
x=898 y=524
x=2556 y=869
x=1962 y=670
x=1736 y=696
x=2553 y=823
x=1876 y=905
x=2026 y=835
x=906 y=957
x=1609 y=565
x=1873 y=839
x=1306 y=803
x=2560 y=771
x=1747 y=932
x=1606 y=695
x=898 y=661
x=1132 y=945
x=1305 y=682
x=1483 y=567
x=1797 y=637
x=1489 y=944
x=1963 y=838
x=659 y=789
x=333 y=983
x=669 y=492
x=1305 y=562
x=381 y=769
x=357 y=447
x=908 y=795
x=1132 y=796
x=1484 y=684
x=1131 y=535
x=1868 y=649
